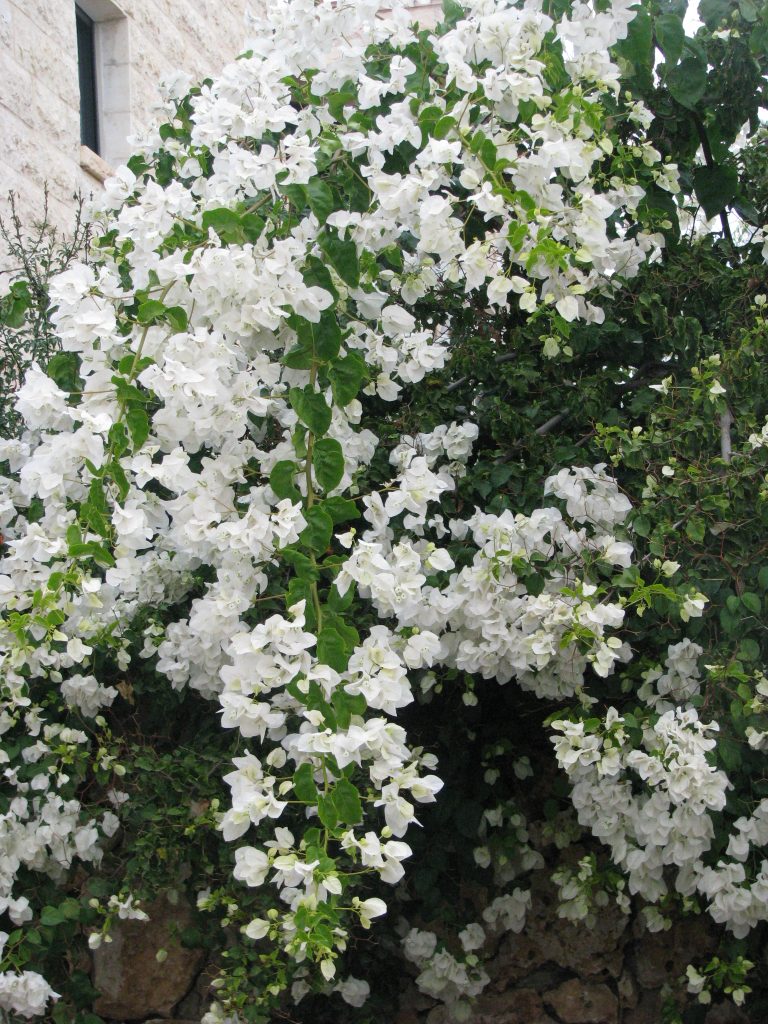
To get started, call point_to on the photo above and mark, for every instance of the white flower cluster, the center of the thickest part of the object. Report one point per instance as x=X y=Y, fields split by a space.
x=26 y=993
x=513 y=855
x=653 y=806
x=454 y=982
x=487 y=620
x=221 y=340
x=664 y=690
x=582 y=892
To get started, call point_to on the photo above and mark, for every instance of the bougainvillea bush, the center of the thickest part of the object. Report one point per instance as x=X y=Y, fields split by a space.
x=393 y=456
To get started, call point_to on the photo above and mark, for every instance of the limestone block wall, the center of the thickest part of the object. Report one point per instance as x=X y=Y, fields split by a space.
x=40 y=95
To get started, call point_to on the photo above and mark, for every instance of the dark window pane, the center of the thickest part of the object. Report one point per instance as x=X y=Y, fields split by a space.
x=86 y=66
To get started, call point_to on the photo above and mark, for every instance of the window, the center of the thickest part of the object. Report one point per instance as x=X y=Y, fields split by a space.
x=86 y=67
x=103 y=63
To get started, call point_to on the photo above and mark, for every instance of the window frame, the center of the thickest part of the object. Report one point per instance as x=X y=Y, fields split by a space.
x=88 y=80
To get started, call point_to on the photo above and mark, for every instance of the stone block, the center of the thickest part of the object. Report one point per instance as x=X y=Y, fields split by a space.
x=517 y=1006
x=647 y=1011
x=547 y=939
x=726 y=1013
x=576 y=1002
x=132 y=984
x=661 y=957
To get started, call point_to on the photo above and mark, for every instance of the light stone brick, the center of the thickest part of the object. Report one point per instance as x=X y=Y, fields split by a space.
x=39 y=91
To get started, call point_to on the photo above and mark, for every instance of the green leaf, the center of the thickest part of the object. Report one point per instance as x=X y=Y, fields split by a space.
x=13 y=308
x=762 y=577
x=476 y=141
x=226 y=224
x=302 y=355
x=126 y=391
x=443 y=126
x=316 y=535
x=428 y=118
x=341 y=510
x=331 y=650
x=337 y=603
x=347 y=802
x=346 y=705
x=311 y=408
x=758 y=40
x=129 y=365
x=328 y=460
x=714 y=12
x=637 y=47
x=488 y=154
x=138 y=165
x=317 y=342
x=95 y=512
x=688 y=81
x=315 y=274
x=517 y=235
x=346 y=376
x=453 y=13
x=748 y=10
x=326 y=810
x=118 y=439
x=670 y=35
x=138 y=425
x=177 y=318
x=730 y=752
x=64 y=369
x=342 y=255
x=51 y=916
x=744 y=692
x=392 y=256
x=346 y=631
x=752 y=603
x=253 y=227
x=301 y=590
x=304 y=784
x=282 y=478
x=746 y=210
x=749 y=650
x=729 y=622
x=92 y=550
x=326 y=336
x=150 y=311
x=70 y=908
x=641 y=526
x=117 y=473
x=345 y=97
x=320 y=199
x=302 y=565
x=715 y=187
x=695 y=529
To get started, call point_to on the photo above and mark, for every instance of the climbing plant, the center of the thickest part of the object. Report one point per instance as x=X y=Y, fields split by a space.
x=406 y=440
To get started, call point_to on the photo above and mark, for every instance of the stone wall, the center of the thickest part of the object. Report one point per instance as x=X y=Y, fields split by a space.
x=40 y=96
x=557 y=972
x=553 y=972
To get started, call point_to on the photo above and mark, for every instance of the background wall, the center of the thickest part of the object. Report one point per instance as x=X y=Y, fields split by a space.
x=40 y=96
